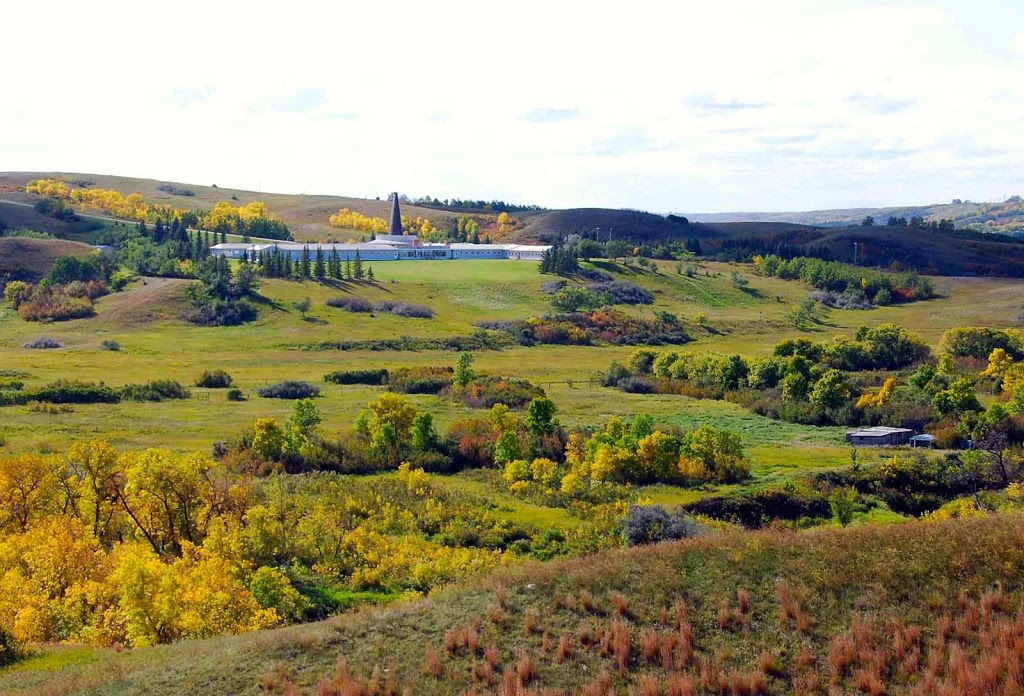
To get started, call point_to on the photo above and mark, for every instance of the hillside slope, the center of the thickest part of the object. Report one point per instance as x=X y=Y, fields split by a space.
x=31 y=259
x=306 y=215
x=928 y=608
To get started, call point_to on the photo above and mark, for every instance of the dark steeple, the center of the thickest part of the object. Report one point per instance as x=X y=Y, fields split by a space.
x=395 y=226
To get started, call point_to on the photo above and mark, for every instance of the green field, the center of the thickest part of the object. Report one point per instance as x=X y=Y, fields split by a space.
x=156 y=344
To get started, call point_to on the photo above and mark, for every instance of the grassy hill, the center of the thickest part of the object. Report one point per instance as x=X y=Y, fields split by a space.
x=306 y=215
x=844 y=217
x=29 y=259
x=920 y=608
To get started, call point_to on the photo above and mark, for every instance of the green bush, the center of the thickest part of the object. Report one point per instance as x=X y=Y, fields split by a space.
x=157 y=390
x=421 y=380
x=372 y=377
x=289 y=389
x=235 y=395
x=214 y=379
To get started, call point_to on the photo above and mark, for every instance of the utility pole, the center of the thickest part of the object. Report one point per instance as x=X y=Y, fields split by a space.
x=855 y=253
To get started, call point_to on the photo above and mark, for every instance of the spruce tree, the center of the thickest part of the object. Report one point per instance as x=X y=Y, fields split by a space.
x=369 y=273
x=357 y=266
x=158 y=231
x=334 y=267
x=348 y=268
x=319 y=268
x=206 y=239
x=476 y=237
x=305 y=268
x=223 y=237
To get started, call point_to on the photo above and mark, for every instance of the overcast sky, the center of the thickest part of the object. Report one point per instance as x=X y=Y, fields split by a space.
x=666 y=106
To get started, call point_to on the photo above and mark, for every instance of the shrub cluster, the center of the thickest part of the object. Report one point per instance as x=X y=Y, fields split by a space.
x=487 y=390
x=833 y=276
x=587 y=328
x=372 y=377
x=214 y=379
x=848 y=299
x=289 y=389
x=221 y=312
x=43 y=344
x=53 y=303
x=649 y=524
x=801 y=382
x=157 y=390
x=402 y=309
x=479 y=340
x=109 y=345
x=622 y=292
x=979 y=342
x=64 y=392
x=421 y=380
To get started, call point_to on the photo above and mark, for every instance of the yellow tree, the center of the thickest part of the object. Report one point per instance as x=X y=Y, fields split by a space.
x=91 y=472
x=27 y=490
x=165 y=496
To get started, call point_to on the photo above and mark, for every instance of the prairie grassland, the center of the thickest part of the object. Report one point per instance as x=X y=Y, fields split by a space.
x=921 y=608
x=156 y=344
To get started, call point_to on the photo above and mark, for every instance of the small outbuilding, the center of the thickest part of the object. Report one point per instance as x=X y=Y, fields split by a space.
x=879 y=436
x=923 y=440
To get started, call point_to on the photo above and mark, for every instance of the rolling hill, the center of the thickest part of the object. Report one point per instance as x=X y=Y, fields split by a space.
x=920 y=608
x=31 y=259
x=1006 y=217
x=962 y=253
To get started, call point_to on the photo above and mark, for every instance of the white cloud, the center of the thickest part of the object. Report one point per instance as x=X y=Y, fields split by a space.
x=668 y=106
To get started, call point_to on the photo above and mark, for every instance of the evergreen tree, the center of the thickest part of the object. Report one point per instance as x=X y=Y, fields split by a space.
x=348 y=268
x=319 y=269
x=197 y=247
x=223 y=237
x=158 y=231
x=334 y=267
x=476 y=237
x=369 y=273
x=357 y=266
x=305 y=266
x=206 y=239
x=142 y=228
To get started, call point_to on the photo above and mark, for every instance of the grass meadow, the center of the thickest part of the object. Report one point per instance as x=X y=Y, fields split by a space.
x=156 y=344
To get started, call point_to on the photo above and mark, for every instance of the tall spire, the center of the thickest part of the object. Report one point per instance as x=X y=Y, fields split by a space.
x=395 y=226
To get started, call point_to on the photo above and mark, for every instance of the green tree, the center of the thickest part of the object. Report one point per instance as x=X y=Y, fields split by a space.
x=464 y=370
x=357 y=266
x=424 y=435
x=320 y=269
x=540 y=417
x=302 y=305
x=305 y=415
x=841 y=502
x=830 y=391
x=305 y=269
x=794 y=387
x=507 y=448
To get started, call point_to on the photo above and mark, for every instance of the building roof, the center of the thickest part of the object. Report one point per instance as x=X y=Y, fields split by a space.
x=878 y=431
x=924 y=437
x=527 y=247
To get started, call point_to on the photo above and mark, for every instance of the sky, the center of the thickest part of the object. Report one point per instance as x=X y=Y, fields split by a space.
x=678 y=106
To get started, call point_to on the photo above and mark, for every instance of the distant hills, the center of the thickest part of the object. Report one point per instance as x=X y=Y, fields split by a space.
x=1006 y=217
x=833 y=233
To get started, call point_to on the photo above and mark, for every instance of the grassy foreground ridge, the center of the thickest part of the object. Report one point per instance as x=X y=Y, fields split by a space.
x=923 y=608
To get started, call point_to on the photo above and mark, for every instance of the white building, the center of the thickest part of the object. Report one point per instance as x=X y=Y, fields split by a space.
x=383 y=250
